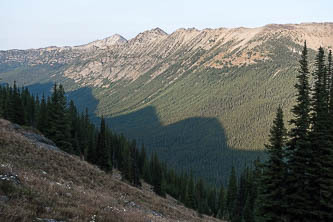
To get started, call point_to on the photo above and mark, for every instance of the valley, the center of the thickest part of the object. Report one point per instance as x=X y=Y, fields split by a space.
x=203 y=99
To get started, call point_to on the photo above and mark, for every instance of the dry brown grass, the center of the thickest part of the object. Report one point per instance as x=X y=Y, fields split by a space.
x=59 y=186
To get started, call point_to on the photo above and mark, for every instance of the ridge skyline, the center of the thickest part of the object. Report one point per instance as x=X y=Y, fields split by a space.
x=122 y=37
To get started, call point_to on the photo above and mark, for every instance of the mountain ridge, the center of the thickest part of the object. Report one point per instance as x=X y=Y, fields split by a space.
x=157 y=29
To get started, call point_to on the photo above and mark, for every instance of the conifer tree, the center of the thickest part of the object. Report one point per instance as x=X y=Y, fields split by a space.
x=63 y=123
x=221 y=204
x=59 y=127
x=135 y=164
x=212 y=202
x=320 y=166
x=102 y=154
x=157 y=176
x=147 y=172
x=272 y=185
x=142 y=159
x=190 y=200
x=42 y=122
x=126 y=164
x=15 y=107
x=299 y=151
x=200 y=196
x=231 y=193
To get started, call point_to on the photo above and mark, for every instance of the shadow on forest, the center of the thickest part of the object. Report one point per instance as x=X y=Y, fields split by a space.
x=197 y=143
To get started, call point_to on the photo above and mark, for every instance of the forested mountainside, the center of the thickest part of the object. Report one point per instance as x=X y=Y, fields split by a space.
x=203 y=99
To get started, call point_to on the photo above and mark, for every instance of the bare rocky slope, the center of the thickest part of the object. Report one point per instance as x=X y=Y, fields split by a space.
x=204 y=99
x=42 y=183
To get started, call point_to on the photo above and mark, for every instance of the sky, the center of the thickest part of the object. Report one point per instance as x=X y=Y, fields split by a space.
x=40 y=23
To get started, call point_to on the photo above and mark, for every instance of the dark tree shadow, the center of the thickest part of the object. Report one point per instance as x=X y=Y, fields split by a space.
x=196 y=143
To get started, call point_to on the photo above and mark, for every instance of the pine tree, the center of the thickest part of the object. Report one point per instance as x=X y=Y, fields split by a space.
x=200 y=197
x=42 y=121
x=58 y=120
x=15 y=107
x=135 y=164
x=231 y=193
x=63 y=123
x=147 y=172
x=299 y=151
x=241 y=198
x=126 y=164
x=320 y=166
x=157 y=176
x=252 y=192
x=103 y=159
x=272 y=186
x=190 y=200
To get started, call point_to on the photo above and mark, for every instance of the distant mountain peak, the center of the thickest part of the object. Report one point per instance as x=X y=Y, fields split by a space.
x=115 y=39
x=157 y=31
x=150 y=35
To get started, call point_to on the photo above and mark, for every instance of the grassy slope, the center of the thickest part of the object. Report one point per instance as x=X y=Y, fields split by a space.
x=59 y=186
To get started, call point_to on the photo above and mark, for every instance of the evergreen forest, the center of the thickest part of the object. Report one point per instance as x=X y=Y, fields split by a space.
x=294 y=183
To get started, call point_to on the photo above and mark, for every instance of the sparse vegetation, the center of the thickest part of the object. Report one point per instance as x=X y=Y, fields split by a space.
x=56 y=185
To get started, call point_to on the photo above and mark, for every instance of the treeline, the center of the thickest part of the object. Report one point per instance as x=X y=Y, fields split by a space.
x=297 y=179
x=73 y=132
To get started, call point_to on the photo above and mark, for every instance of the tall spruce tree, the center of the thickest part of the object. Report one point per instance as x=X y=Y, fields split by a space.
x=58 y=119
x=242 y=194
x=299 y=150
x=272 y=190
x=42 y=120
x=321 y=164
x=15 y=106
x=103 y=159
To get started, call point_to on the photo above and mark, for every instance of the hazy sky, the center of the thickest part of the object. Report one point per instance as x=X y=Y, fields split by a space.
x=40 y=23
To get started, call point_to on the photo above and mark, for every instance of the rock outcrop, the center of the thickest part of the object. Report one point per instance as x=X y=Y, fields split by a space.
x=30 y=135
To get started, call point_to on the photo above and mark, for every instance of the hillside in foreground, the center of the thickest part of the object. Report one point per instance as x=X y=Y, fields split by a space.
x=40 y=182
